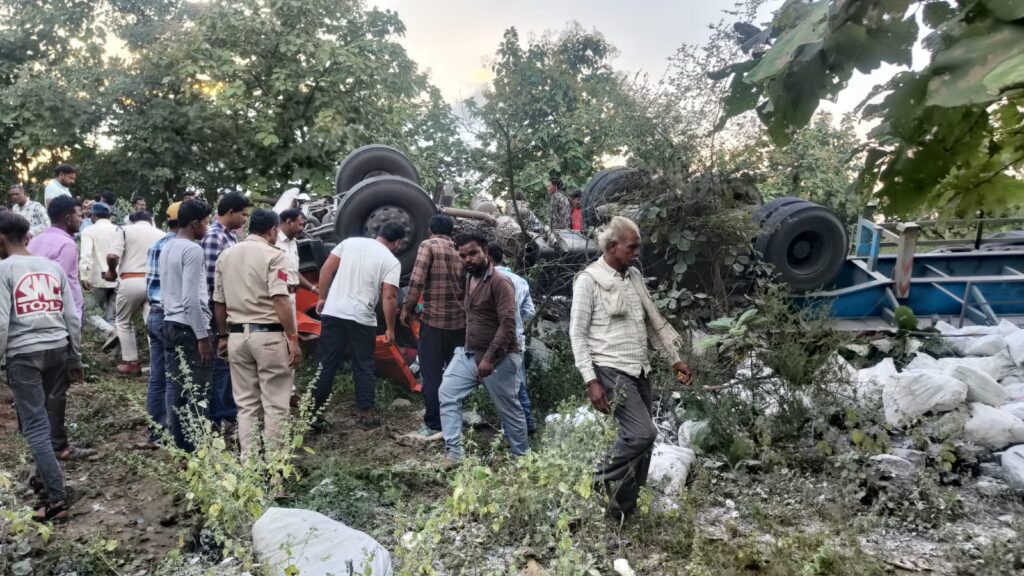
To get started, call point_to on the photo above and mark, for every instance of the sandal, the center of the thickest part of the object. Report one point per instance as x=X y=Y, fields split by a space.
x=57 y=511
x=72 y=453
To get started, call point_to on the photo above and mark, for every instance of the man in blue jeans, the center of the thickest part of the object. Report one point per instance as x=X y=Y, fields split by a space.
x=41 y=343
x=524 y=313
x=232 y=212
x=187 y=318
x=490 y=356
x=157 y=398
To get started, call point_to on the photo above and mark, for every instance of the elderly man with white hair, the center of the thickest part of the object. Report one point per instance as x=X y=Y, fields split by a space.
x=613 y=318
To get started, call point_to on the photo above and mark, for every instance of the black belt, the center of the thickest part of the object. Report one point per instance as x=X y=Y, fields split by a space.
x=239 y=328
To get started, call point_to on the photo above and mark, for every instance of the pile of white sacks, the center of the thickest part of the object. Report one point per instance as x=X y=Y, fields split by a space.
x=986 y=376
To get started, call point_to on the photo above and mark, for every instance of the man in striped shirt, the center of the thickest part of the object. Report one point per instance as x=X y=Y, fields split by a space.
x=612 y=320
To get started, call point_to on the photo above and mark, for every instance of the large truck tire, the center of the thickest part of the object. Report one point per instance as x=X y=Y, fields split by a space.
x=382 y=199
x=805 y=242
x=765 y=211
x=371 y=161
x=607 y=186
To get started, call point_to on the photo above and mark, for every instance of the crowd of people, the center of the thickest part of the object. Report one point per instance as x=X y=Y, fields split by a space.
x=219 y=310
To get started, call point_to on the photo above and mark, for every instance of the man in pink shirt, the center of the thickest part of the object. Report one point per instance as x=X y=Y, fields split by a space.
x=58 y=242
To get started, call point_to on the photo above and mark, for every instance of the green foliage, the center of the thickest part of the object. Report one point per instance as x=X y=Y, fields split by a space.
x=18 y=531
x=820 y=164
x=548 y=110
x=948 y=137
x=229 y=493
x=544 y=501
x=210 y=96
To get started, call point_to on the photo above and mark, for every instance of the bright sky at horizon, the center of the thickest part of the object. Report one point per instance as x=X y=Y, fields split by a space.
x=454 y=39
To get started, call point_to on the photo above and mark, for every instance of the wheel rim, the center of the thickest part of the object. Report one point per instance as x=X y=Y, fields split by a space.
x=382 y=215
x=806 y=253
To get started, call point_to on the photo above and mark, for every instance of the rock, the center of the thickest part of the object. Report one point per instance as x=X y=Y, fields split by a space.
x=401 y=404
x=308 y=542
x=912 y=394
x=621 y=567
x=1013 y=466
x=915 y=457
x=993 y=428
x=980 y=386
x=991 y=488
x=894 y=466
x=533 y=568
x=991 y=470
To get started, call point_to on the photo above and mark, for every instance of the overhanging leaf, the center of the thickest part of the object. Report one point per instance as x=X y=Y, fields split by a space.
x=987 y=62
x=810 y=30
x=1005 y=10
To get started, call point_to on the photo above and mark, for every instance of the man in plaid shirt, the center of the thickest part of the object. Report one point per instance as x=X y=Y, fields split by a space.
x=158 y=399
x=438 y=276
x=232 y=212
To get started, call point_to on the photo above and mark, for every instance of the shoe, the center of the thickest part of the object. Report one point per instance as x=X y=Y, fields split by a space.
x=111 y=342
x=368 y=419
x=293 y=401
x=449 y=463
x=427 y=434
x=129 y=369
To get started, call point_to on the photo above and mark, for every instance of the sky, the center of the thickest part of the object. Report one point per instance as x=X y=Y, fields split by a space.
x=454 y=39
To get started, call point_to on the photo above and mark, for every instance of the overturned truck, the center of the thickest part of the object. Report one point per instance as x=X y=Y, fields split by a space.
x=377 y=184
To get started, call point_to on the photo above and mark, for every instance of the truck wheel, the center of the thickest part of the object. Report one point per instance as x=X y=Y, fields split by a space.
x=382 y=199
x=806 y=243
x=373 y=160
x=765 y=211
x=606 y=186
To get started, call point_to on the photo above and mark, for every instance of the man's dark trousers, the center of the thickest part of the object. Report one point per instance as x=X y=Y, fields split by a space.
x=630 y=457
x=188 y=381
x=436 y=347
x=337 y=336
x=33 y=378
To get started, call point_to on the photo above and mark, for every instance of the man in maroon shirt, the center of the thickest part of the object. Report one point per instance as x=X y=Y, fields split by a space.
x=490 y=356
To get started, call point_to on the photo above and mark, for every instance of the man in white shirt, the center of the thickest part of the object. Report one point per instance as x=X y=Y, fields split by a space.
x=96 y=241
x=355 y=274
x=127 y=259
x=63 y=176
x=612 y=320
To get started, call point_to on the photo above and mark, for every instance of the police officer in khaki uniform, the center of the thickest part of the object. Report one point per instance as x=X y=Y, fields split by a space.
x=250 y=295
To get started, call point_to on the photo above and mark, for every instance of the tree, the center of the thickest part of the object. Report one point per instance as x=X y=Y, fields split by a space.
x=52 y=85
x=950 y=137
x=819 y=164
x=256 y=95
x=548 y=111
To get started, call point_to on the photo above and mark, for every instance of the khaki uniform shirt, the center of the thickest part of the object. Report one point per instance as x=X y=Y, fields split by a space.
x=248 y=275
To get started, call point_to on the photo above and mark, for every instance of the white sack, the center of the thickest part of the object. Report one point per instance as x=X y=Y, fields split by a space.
x=1015 y=345
x=993 y=428
x=1014 y=392
x=922 y=361
x=871 y=381
x=997 y=366
x=315 y=544
x=1013 y=466
x=669 y=467
x=980 y=386
x=1015 y=408
x=911 y=394
x=984 y=345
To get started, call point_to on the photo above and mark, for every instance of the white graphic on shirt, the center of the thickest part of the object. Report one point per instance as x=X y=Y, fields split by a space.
x=38 y=293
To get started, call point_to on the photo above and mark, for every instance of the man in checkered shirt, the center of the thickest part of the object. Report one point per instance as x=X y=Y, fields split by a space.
x=232 y=212
x=438 y=277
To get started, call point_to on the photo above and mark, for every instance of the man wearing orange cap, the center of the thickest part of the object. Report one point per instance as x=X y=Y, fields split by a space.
x=158 y=400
